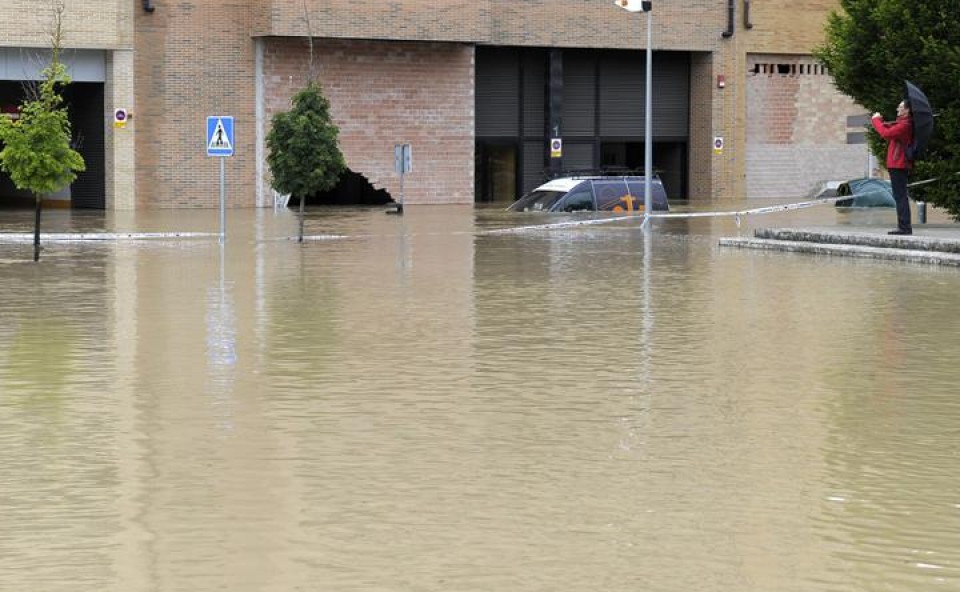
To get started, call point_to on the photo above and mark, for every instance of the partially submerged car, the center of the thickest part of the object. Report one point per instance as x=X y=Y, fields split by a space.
x=593 y=194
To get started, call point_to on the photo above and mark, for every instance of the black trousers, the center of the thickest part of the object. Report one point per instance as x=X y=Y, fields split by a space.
x=898 y=181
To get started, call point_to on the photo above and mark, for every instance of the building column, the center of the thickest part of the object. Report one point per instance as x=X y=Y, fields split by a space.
x=555 y=110
x=703 y=104
x=120 y=159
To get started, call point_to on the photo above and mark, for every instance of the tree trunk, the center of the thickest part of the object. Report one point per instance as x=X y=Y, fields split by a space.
x=36 y=230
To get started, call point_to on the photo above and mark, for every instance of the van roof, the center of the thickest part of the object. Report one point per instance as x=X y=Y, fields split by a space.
x=568 y=183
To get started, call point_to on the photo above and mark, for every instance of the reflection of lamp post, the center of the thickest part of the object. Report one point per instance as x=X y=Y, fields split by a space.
x=645 y=6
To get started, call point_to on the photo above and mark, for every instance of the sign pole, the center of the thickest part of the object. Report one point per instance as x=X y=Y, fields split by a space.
x=647 y=7
x=223 y=202
x=220 y=142
x=648 y=124
x=403 y=164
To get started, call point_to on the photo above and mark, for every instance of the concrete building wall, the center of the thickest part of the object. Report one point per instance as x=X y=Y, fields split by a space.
x=383 y=93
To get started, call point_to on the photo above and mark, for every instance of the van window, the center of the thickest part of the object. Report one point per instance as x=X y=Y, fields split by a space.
x=578 y=200
x=610 y=193
x=536 y=201
x=658 y=197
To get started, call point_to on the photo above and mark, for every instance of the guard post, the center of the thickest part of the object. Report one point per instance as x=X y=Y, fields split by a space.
x=402 y=164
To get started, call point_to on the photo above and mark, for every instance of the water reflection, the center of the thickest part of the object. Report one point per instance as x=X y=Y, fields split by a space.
x=423 y=405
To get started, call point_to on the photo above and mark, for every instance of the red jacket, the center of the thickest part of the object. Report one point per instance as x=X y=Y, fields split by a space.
x=898 y=135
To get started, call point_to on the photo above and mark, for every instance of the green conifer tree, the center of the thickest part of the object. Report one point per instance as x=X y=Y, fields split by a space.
x=872 y=46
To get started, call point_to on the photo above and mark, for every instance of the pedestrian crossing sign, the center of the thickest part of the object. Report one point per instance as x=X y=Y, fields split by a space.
x=219 y=135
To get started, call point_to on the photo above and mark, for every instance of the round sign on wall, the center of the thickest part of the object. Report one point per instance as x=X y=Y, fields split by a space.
x=717 y=145
x=556 y=148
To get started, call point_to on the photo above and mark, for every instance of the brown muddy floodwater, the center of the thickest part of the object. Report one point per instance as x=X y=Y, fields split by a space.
x=425 y=405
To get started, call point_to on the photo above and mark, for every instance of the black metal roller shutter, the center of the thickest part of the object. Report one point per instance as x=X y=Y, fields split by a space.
x=88 y=191
x=534 y=93
x=579 y=93
x=623 y=94
x=498 y=95
x=533 y=165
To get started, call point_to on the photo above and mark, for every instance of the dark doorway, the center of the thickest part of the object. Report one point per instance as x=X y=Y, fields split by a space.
x=669 y=162
x=84 y=102
x=496 y=172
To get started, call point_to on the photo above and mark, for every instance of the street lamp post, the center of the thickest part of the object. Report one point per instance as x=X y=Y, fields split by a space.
x=645 y=6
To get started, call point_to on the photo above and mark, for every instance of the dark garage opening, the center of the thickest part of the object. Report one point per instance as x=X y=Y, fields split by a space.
x=84 y=102
x=353 y=190
x=597 y=103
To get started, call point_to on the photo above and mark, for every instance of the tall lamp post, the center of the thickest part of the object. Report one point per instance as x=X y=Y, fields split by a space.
x=645 y=6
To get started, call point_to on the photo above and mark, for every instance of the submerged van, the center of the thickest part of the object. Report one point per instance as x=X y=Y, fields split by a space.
x=593 y=194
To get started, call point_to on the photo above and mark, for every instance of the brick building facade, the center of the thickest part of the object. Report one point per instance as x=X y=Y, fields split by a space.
x=406 y=72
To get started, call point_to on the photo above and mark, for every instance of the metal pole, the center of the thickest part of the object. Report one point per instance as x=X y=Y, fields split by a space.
x=223 y=202
x=647 y=139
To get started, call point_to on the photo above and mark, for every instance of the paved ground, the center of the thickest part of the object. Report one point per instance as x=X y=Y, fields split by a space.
x=935 y=244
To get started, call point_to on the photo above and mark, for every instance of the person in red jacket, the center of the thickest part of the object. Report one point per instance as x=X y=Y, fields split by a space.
x=898 y=135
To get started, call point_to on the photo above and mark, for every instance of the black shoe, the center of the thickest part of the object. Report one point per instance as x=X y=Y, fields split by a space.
x=900 y=231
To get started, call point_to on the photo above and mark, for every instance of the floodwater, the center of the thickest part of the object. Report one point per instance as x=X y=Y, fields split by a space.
x=424 y=404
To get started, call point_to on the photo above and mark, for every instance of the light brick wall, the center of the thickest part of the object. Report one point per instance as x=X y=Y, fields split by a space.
x=691 y=24
x=796 y=128
x=384 y=93
x=786 y=26
x=702 y=105
x=120 y=161
x=89 y=24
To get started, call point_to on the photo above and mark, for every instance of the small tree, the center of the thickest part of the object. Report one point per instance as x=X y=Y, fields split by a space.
x=871 y=47
x=303 y=154
x=36 y=152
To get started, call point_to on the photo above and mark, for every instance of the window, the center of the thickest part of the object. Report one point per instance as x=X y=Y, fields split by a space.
x=578 y=200
x=610 y=194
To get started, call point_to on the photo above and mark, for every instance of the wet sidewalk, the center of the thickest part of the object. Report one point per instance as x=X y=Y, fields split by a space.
x=934 y=244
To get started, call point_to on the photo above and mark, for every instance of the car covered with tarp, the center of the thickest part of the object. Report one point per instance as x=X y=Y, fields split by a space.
x=865 y=193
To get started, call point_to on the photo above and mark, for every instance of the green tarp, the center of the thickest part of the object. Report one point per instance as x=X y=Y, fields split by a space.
x=866 y=193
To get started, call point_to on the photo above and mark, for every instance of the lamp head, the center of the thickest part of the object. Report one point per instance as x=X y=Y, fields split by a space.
x=635 y=5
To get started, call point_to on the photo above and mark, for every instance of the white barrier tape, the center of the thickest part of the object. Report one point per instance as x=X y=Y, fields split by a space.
x=736 y=213
x=560 y=225
x=765 y=210
x=18 y=237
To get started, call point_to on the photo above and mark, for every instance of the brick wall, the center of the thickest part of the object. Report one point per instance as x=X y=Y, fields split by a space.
x=196 y=58
x=787 y=26
x=119 y=145
x=796 y=128
x=565 y=23
x=383 y=93
x=701 y=126
x=89 y=24
x=193 y=59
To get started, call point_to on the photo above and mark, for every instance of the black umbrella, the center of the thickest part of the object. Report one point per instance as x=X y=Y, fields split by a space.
x=922 y=115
